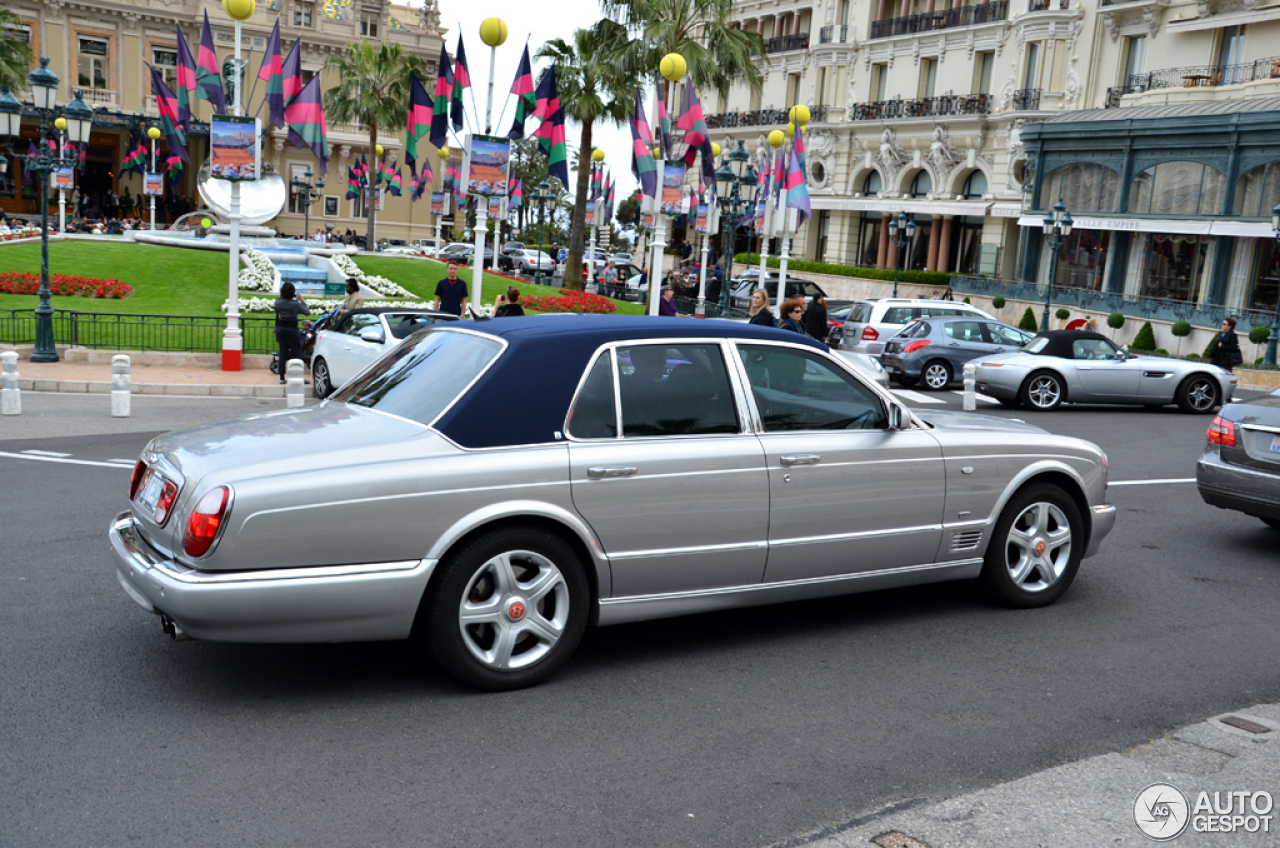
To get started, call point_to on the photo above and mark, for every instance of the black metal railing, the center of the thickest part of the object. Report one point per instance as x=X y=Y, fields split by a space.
x=783 y=43
x=981 y=13
x=1118 y=2
x=928 y=107
x=1048 y=5
x=1025 y=100
x=1203 y=76
x=756 y=118
x=175 y=333
x=833 y=34
x=1113 y=98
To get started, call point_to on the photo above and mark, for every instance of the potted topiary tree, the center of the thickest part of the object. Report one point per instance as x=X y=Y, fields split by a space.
x=1180 y=330
x=1028 y=321
x=1062 y=314
x=1146 y=339
x=1115 y=321
x=997 y=302
x=1259 y=335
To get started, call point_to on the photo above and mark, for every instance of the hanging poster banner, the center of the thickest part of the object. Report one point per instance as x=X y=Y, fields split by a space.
x=64 y=178
x=153 y=185
x=495 y=207
x=672 y=185
x=438 y=203
x=702 y=218
x=591 y=213
x=235 y=149
x=485 y=165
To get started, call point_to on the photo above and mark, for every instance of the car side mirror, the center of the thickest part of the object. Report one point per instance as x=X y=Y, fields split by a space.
x=372 y=336
x=898 y=417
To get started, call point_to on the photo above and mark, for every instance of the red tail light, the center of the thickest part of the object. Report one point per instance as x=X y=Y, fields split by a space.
x=870 y=334
x=1222 y=432
x=138 y=471
x=168 y=494
x=833 y=323
x=205 y=520
x=914 y=346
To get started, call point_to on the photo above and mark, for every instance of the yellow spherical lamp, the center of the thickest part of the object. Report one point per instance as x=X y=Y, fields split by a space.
x=776 y=138
x=443 y=153
x=61 y=124
x=597 y=155
x=799 y=114
x=791 y=130
x=657 y=152
x=493 y=32
x=377 y=148
x=153 y=133
x=238 y=10
x=715 y=150
x=673 y=67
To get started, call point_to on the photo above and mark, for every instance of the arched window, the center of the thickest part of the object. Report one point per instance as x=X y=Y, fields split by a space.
x=975 y=186
x=1258 y=191
x=1083 y=187
x=873 y=185
x=1178 y=188
x=922 y=184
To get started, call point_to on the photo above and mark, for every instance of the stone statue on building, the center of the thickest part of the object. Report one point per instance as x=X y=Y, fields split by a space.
x=891 y=155
x=942 y=153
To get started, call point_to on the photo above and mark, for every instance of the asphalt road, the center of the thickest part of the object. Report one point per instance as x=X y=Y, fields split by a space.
x=743 y=728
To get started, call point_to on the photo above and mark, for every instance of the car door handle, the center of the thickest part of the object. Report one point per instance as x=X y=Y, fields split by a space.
x=601 y=473
x=800 y=459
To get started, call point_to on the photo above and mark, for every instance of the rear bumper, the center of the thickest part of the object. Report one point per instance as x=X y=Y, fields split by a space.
x=1248 y=490
x=895 y=364
x=1103 y=519
x=350 y=603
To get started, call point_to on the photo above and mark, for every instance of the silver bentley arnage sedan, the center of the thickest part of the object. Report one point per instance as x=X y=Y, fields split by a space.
x=492 y=487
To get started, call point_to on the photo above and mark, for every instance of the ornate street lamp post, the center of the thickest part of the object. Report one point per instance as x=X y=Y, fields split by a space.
x=306 y=194
x=79 y=119
x=902 y=229
x=736 y=185
x=1057 y=226
x=1269 y=359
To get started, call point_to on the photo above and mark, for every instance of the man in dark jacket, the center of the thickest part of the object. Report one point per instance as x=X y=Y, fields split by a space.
x=1226 y=352
x=815 y=319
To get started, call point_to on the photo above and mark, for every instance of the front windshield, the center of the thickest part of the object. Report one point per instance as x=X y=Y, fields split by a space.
x=424 y=375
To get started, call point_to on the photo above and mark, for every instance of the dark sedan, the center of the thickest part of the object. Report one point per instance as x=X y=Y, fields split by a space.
x=935 y=350
x=1240 y=467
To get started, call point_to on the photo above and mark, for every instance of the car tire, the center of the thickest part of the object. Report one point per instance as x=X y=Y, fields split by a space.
x=936 y=375
x=1198 y=393
x=1035 y=549
x=321 y=382
x=526 y=603
x=1042 y=391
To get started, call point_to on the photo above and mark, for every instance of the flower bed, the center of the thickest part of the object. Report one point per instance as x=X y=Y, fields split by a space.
x=320 y=305
x=379 y=284
x=570 y=301
x=15 y=233
x=61 y=284
x=261 y=273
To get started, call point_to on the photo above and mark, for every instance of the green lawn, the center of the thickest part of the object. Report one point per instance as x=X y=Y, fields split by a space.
x=180 y=281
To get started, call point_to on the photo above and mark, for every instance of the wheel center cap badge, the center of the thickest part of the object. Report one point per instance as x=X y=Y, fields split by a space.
x=516 y=611
x=1040 y=547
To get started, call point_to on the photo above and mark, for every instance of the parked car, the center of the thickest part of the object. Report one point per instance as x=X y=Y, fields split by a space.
x=750 y=278
x=1240 y=467
x=1079 y=366
x=621 y=257
x=395 y=246
x=454 y=251
x=625 y=272
x=934 y=351
x=424 y=247
x=507 y=255
x=795 y=288
x=414 y=504
x=531 y=261
x=358 y=339
x=874 y=321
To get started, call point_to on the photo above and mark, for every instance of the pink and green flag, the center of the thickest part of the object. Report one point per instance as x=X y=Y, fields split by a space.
x=419 y=124
x=461 y=81
x=422 y=180
x=517 y=193
x=797 y=191
x=696 y=138
x=664 y=122
x=186 y=81
x=208 y=75
x=440 y=109
x=642 y=164
x=522 y=88
x=550 y=132
x=394 y=184
x=291 y=71
x=167 y=105
x=272 y=73
x=799 y=148
x=173 y=168
x=305 y=119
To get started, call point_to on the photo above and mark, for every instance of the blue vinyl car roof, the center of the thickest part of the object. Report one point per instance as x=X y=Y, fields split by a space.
x=524 y=397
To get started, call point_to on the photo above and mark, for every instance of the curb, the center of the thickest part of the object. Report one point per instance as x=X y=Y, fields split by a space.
x=172 y=389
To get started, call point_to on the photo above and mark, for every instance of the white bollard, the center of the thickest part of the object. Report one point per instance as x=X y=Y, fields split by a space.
x=970 y=379
x=10 y=397
x=120 y=396
x=293 y=392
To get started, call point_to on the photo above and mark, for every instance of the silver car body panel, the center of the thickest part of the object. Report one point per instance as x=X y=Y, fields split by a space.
x=707 y=522
x=1245 y=477
x=1135 y=380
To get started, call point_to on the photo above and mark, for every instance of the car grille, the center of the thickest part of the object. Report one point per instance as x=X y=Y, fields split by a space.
x=965 y=540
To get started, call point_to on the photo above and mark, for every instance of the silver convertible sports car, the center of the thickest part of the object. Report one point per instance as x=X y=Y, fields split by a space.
x=1081 y=366
x=492 y=487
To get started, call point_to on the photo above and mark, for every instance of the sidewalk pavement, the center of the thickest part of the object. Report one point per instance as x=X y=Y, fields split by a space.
x=152 y=373
x=1092 y=802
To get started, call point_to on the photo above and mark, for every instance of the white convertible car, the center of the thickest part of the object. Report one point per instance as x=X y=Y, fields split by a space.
x=361 y=337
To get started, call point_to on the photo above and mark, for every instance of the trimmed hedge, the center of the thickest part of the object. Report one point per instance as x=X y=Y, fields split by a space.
x=998 y=302
x=1146 y=338
x=928 y=278
x=1115 y=320
x=1028 y=322
x=1062 y=314
x=1259 y=334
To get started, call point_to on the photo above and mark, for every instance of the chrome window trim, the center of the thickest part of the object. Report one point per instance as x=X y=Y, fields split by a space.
x=592 y=361
x=807 y=581
x=848 y=537
x=205 y=578
x=1260 y=427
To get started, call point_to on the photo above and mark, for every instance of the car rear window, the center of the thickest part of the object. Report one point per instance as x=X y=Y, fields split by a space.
x=859 y=313
x=403 y=326
x=917 y=330
x=421 y=377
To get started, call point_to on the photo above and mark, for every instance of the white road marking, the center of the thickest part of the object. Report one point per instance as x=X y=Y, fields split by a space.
x=982 y=398
x=128 y=462
x=1151 y=482
x=46 y=453
x=916 y=397
x=61 y=459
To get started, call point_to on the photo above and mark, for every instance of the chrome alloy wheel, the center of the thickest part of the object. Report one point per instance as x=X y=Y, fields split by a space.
x=1044 y=391
x=936 y=375
x=1038 y=548
x=514 y=610
x=1202 y=394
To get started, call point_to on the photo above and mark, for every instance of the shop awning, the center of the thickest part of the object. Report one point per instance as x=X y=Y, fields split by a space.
x=1216 y=227
x=914 y=207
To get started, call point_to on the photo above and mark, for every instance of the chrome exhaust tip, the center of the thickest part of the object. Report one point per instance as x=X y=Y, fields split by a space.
x=170 y=627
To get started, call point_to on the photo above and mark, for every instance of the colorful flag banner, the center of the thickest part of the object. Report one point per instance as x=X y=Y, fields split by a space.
x=173 y=168
x=522 y=88
x=642 y=164
x=797 y=192
x=136 y=157
x=394 y=185
x=799 y=148
x=461 y=81
x=421 y=181
x=305 y=119
x=550 y=134
x=419 y=123
x=440 y=108
x=664 y=121
x=291 y=71
x=186 y=81
x=208 y=74
x=272 y=73
x=517 y=193
x=353 y=184
x=167 y=105
x=696 y=138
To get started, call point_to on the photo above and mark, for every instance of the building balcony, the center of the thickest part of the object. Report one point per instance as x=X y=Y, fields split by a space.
x=766 y=118
x=94 y=97
x=1048 y=5
x=783 y=43
x=983 y=13
x=1025 y=100
x=1197 y=80
x=833 y=34
x=1118 y=2
x=928 y=107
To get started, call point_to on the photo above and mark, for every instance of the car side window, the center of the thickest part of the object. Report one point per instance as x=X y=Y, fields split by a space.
x=357 y=324
x=900 y=315
x=1095 y=349
x=799 y=390
x=594 y=415
x=965 y=331
x=675 y=390
x=1003 y=335
x=917 y=330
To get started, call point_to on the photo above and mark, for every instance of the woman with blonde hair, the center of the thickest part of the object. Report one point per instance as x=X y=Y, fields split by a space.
x=760 y=313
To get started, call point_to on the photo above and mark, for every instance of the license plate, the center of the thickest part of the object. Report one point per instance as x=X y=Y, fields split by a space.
x=1275 y=444
x=149 y=492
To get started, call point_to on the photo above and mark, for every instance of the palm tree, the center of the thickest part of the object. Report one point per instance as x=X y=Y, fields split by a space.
x=15 y=52
x=591 y=89
x=373 y=90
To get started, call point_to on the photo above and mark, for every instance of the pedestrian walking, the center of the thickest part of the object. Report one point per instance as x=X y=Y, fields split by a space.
x=815 y=318
x=610 y=279
x=667 y=305
x=353 y=300
x=792 y=312
x=451 y=293
x=287 y=308
x=1226 y=352
x=759 y=312
x=511 y=306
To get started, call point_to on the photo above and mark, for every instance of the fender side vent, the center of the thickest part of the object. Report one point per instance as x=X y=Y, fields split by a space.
x=965 y=540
